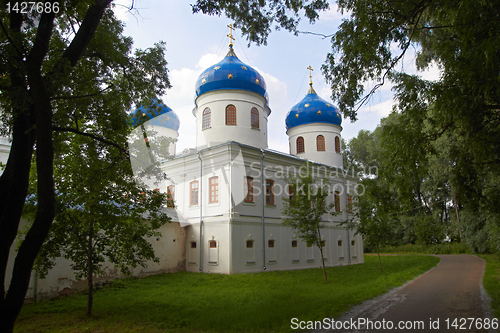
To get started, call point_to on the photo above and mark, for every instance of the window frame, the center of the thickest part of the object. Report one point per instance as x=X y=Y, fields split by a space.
x=300 y=145
x=231 y=119
x=213 y=189
x=248 y=188
x=249 y=244
x=336 y=200
x=212 y=244
x=270 y=194
x=295 y=243
x=270 y=243
x=255 y=118
x=194 y=200
x=337 y=144
x=171 y=193
x=206 y=119
x=320 y=143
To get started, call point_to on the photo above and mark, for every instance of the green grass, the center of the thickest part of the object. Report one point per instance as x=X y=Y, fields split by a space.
x=491 y=281
x=193 y=302
x=445 y=248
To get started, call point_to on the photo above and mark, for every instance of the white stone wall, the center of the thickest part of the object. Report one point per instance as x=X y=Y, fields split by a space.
x=309 y=132
x=219 y=132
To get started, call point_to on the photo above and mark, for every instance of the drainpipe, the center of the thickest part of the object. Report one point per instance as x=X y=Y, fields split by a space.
x=347 y=219
x=200 y=196
x=263 y=190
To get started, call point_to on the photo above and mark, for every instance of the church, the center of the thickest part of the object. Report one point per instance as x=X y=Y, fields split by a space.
x=226 y=194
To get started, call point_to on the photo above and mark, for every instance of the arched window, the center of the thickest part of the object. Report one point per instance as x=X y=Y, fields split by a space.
x=337 y=144
x=206 y=121
x=254 y=118
x=320 y=143
x=230 y=115
x=300 y=145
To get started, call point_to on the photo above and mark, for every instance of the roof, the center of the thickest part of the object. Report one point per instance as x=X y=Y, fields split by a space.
x=158 y=114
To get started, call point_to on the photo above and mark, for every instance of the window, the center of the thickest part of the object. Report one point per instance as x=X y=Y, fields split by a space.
x=206 y=120
x=300 y=145
x=213 y=244
x=337 y=201
x=337 y=144
x=170 y=196
x=254 y=118
x=213 y=184
x=291 y=195
x=294 y=243
x=349 y=203
x=323 y=243
x=249 y=189
x=269 y=192
x=320 y=143
x=270 y=243
x=230 y=115
x=353 y=242
x=339 y=243
x=193 y=197
x=249 y=244
x=193 y=245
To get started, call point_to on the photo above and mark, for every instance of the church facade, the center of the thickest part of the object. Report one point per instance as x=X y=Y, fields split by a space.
x=226 y=195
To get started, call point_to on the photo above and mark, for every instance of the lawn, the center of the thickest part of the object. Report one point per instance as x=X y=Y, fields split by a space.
x=194 y=302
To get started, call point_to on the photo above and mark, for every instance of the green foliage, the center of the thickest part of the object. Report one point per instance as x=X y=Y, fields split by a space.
x=306 y=206
x=191 y=302
x=491 y=281
x=443 y=248
x=256 y=17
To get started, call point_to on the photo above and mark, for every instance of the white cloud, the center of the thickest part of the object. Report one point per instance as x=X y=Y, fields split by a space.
x=382 y=109
x=331 y=14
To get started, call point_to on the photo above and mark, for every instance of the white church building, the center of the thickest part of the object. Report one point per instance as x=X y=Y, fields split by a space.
x=227 y=193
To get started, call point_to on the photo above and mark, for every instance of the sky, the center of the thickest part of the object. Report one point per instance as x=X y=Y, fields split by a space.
x=196 y=41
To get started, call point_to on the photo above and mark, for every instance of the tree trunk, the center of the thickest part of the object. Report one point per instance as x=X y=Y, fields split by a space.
x=323 y=261
x=90 y=272
x=379 y=260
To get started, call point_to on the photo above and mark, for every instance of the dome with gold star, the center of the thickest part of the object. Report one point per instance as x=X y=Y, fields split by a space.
x=312 y=109
x=231 y=73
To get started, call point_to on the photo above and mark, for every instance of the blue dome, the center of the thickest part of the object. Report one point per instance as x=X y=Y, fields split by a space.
x=312 y=109
x=158 y=113
x=231 y=73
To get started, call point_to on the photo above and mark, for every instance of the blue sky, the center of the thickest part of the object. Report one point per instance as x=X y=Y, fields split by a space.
x=196 y=41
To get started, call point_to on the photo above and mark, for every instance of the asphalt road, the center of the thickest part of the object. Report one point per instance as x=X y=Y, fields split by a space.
x=441 y=300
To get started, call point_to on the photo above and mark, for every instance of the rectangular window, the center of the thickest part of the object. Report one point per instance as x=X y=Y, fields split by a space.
x=291 y=195
x=213 y=244
x=249 y=189
x=249 y=244
x=193 y=194
x=270 y=243
x=323 y=243
x=337 y=201
x=193 y=245
x=339 y=243
x=214 y=189
x=349 y=204
x=353 y=242
x=269 y=192
x=294 y=243
x=171 y=196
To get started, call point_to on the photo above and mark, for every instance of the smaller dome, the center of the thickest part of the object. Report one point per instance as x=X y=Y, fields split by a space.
x=312 y=109
x=159 y=114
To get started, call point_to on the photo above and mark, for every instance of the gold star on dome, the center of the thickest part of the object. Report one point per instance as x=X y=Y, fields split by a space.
x=319 y=112
x=230 y=76
x=203 y=82
x=296 y=115
x=327 y=104
x=338 y=115
x=257 y=81
x=244 y=67
x=307 y=105
x=217 y=67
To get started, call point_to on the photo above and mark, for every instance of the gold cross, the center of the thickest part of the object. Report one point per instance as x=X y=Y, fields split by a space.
x=310 y=75
x=230 y=35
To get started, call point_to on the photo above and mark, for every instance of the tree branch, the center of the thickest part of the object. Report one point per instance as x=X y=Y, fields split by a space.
x=95 y=137
x=111 y=85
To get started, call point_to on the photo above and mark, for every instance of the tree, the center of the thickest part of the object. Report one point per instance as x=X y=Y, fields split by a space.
x=460 y=110
x=305 y=208
x=60 y=68
x=102 y=213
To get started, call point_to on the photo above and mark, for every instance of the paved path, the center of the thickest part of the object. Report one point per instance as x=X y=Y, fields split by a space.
x=451 y=290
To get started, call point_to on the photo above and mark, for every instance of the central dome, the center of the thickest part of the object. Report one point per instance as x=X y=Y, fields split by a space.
x=231 y=73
